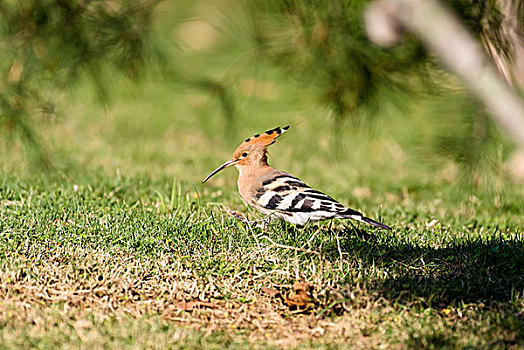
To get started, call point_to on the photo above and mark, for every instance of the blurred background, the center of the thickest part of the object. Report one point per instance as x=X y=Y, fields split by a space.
x=170 y=88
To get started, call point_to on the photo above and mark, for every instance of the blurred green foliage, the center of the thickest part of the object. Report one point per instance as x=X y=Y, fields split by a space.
x=48 y=45
x=54 y=41
x=323 y=43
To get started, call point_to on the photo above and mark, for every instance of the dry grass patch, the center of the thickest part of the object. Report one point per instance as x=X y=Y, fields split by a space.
x=79 y=281
x=96 y=297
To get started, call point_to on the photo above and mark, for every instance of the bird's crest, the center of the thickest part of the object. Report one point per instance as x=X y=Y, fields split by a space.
x=267 y=138
x=252 y=150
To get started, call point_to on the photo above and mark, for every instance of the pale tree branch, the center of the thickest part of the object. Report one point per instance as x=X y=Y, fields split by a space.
x=511 y=63
x=444 y=34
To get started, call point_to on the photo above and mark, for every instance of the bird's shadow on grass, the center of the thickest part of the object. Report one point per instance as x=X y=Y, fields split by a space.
x=485 y=270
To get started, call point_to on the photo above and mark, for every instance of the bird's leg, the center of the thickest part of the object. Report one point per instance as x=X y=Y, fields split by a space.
x=262 y=224
x=302 y=229
x=242 y=218
x=238 y=215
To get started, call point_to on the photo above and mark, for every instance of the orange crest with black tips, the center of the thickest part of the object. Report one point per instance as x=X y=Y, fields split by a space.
x=267 y=138
x=258 y=143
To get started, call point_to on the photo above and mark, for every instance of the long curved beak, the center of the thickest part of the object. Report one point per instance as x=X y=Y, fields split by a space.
x=223 y=166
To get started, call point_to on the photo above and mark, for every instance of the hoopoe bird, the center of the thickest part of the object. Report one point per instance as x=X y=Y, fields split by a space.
x=278 y=194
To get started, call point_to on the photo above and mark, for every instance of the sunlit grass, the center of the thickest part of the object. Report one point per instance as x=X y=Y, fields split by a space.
x=135 y=247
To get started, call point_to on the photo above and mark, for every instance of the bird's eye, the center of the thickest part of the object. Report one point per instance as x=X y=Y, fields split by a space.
x=244 y=154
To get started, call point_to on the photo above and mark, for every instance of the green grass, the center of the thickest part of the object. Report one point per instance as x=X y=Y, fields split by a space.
x=104 y=249
x=104 y=260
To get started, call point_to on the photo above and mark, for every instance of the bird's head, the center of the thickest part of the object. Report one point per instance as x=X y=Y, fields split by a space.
x=252 y=151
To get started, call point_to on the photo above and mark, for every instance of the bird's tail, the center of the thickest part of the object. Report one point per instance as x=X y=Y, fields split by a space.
x=374 y=223
x=355 y=215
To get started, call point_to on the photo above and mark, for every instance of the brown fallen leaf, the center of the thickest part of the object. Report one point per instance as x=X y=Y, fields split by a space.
x=195 y=304
x=301 y=299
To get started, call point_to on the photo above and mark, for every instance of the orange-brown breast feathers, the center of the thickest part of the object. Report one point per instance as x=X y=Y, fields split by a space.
x=267 y=138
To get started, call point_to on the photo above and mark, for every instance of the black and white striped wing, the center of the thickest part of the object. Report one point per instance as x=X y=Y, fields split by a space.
x=290 y=199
